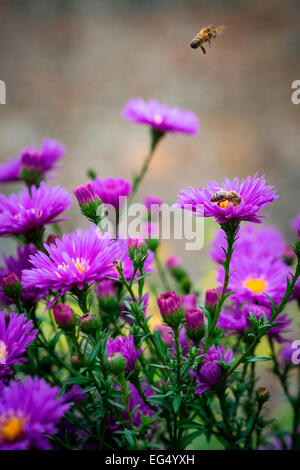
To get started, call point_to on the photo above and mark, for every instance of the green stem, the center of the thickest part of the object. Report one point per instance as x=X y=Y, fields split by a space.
x=161 y=272
x=155 y=138
x=255 y=419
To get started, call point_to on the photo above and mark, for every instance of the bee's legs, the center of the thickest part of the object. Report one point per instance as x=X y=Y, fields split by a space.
x=203 y=50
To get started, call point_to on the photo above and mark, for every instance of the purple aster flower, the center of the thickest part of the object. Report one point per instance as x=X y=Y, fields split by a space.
x=237 y=320
x=252 y=278
x=290 y=353
x=276 y=443
x=113 y=191
x=41 y=160
x=135 y=403
x=23 y=212
x=250 y=196
x=80 y=258
x=296 y=223
x=211 y=298
x=127 y=263
x=153 y=203
x=160 y=116
x=16 y=332
x=253 y=240
x=124 y=346
x=173 y=262
x=166 y=334
x=16 y=266
x=189 y=301
x=210 y=371
x=29 y=412
x=169 y=304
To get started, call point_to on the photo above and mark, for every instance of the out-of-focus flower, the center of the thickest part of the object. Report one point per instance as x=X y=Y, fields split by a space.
x=288 y=255
x=41 y=161
x=289 y=354
x=24 y=212
x=16 y=332
x=159 y=116
x=276 y=443
x=189 y=301
x=251 y=196
x=166 y=334
x=252 y=240
x=295 y=224
x=237 y=320
x=11 y=286
x=77 y=259
x=173 y=262
x=153 y=203
x=210 y=371
x=110 y=190
x=88 y=323
x=252 y=278
x=211 y=298
x=124 y=346
x=135 y=403
x=29 y=412
x=16 y=265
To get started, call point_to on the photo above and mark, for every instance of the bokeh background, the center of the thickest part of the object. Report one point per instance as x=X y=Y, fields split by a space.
x=70 y=66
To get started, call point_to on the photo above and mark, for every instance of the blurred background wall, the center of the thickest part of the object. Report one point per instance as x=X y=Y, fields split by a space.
x=69 y=67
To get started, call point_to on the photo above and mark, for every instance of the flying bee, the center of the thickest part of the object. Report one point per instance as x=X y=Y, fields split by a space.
x=230 y=196
x=205 y=36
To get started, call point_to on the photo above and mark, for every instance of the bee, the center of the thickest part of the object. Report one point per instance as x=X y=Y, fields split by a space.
x=205 y=36
x=226 y=196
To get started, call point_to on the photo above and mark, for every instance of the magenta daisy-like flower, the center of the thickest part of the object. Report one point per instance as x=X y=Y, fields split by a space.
x=252 y=240
x=16 y=265
x=42 y=161
x=230 y=200
x=112 y=191
x=252 y=278
x=16 y=332
x=159 y=116
x=29 y=413
x=210 y=371
x=77 y=259
x=23 y=212
x=125 y=347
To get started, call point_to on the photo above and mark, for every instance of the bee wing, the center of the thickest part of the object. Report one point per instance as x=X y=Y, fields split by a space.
x=220 y=28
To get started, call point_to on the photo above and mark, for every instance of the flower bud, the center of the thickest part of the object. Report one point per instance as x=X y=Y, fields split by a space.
x=116 y=363
x=88 y=201
x=64 y=316
x=173 y=262
x=165 y=334
x=170 y=308
x=51 y=239
x=195 y=324
x=211 y=299
x=88 y=323
x=288 y=255
x=11 y=286
x=262 y=394
x=107 y=296
x=137 y=249
x=31 y=167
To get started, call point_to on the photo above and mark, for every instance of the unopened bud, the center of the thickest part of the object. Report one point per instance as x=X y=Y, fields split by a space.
x=88 y=323
x=11 y=286
x=262 y=394
x=116 y=363
x=64 y=316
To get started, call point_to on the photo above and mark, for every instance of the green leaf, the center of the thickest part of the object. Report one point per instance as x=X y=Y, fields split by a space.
x=176 y=402
x=259 y=359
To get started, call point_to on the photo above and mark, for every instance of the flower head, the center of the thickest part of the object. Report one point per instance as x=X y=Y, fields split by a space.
x=24 y=212
x=16 y=332
x=252 y=278
x=296 y=223
x=173 y=262
x=169 y=304
x=124 y=346
x=230 y=200
x=210 y=371
x=29 y=412
x=41 y=161
x=15 y=265
x=80 y=258
x=112 y=191
x=127 y=264
x=63 y=315
x=189 y=301
x=160 y=116
x=153 y=203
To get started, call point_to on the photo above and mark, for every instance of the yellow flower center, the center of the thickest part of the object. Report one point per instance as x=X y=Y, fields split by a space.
x=256 y=285
x=12 y=428
x=80 y=264
x=3 y=352
x=224 y=204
